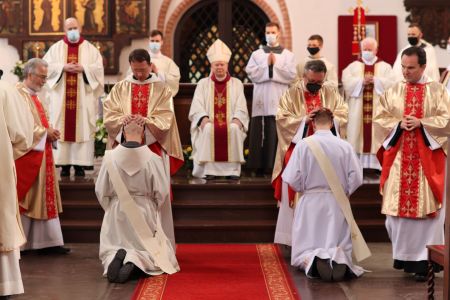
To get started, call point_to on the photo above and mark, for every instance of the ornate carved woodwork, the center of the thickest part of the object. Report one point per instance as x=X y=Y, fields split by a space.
x=434 y=18
x=32 y=26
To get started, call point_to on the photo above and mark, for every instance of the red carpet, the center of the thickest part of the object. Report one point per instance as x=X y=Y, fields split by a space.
x=222 y=271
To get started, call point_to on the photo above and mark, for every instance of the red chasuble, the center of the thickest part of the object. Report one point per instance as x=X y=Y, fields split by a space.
x=312 y=101
x=71 y=94
x=28 y=167
x=367 y=109
x=221 y=104
x=415 y=157
x=140 y=96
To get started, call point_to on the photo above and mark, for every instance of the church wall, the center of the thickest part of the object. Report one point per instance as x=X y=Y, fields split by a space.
x=306 y=18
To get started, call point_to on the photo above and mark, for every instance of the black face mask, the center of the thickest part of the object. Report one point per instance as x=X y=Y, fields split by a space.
x=313 y=50
x=313 y=87
x=413 y=40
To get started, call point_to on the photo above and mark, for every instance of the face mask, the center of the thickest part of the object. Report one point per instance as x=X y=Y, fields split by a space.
x=155 y=47
x=271 y=38
x=313 y=87
x=313 y=50
x=413 y=40
x=368 y=55
x=73 y=35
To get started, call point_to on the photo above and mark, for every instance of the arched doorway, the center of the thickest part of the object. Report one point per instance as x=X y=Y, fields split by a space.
x=240 y=24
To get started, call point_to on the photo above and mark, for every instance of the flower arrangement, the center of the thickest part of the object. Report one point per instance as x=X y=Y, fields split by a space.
x=18 y=69
x=187 y=155
x=101 y=138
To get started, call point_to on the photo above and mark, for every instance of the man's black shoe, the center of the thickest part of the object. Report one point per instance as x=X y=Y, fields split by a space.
x=210 y=177
x=65 y=171
x=339 y=271
x=324 y=269
x=125 y=272
x=115 y=265
x=79 y=171
x=233 y=177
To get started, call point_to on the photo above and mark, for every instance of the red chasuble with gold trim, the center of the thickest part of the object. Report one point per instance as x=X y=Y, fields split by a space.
x=416 y=157
x=71 y=94
x=221 y=107
x=312 y=101
x=28 y=167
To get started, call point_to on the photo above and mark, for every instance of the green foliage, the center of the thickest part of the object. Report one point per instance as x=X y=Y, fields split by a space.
x=101 y=138
x=18 y=69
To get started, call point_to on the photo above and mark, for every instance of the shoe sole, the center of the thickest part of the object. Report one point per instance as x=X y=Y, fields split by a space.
x=115 y=266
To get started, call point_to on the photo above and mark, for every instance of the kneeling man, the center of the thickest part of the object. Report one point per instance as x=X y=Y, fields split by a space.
x=131 y=188
x=219 y=119
x=324 y=234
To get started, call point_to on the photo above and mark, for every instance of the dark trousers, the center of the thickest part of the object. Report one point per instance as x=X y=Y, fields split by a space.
x=263 y=143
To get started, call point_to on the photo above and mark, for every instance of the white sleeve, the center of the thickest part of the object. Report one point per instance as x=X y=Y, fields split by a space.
x=41 y=145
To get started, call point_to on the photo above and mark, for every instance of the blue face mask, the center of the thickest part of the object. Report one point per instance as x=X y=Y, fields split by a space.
x=271 y=39
x=73 y=35
x=155 y=47
x=368 y=55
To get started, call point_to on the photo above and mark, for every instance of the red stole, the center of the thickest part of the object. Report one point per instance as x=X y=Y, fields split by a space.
x=312 y=101
x=220 y=118
x=71 y=94
x=367 y=109
x=140 y=97
x=28 y=167
x=415 y=156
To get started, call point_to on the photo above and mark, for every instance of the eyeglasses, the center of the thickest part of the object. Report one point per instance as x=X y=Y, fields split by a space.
x=41 y=76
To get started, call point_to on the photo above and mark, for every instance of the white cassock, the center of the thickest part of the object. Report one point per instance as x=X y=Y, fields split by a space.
x=432 y=68
x=168 y=71
x=352 y=80
x=202 y=139
x=331 y=78
x=268 y=91
x=144 y=175
x=319 y=228
x=80 y=152
x=16 y=132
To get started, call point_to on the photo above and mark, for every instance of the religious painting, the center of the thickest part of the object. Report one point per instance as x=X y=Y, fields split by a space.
x=46 y=17
x=106 y=49
x=11 y=17
x=372 y=30
x=132 y=17
x=92 y=16
x=32 y=49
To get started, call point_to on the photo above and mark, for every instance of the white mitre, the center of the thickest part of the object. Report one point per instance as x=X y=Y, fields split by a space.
x=218 y=52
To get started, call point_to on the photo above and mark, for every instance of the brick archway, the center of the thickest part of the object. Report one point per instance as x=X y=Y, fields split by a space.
x=185 y=5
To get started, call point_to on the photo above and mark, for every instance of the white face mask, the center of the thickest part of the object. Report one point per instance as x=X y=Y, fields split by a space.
x=368 y=55
x=73 y=35
x=271 y=38
x=155 y=47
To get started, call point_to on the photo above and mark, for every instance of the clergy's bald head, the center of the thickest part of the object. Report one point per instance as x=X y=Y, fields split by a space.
x=71 y=24
x=72 y=29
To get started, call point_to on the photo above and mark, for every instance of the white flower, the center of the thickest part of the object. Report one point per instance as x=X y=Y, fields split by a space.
x=104 y=140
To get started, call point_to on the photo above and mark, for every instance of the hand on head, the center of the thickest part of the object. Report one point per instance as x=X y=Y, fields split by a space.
x=133 y=129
